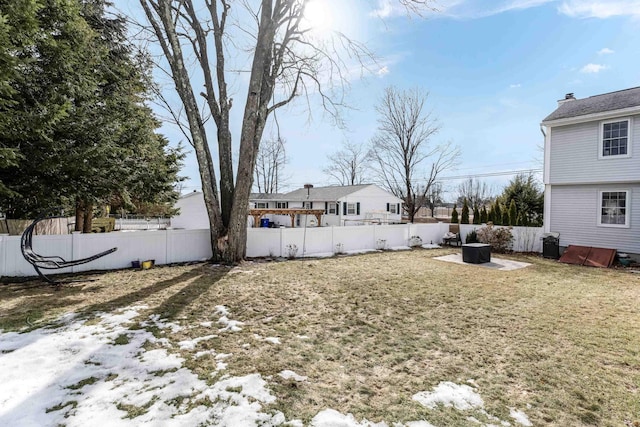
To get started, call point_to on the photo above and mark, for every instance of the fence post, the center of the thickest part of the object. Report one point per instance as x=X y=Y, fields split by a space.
x=3 y=254
x=75 y=247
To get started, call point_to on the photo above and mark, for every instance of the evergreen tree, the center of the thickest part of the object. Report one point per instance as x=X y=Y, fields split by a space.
x=528 y=196
x=513 y=213
x=497 y=213
x=484 y=217
x=465 y=212
x=491 y=215
x=89 y=135
x=519 y=221
x=505 y=216
x=454 y=215
x=476 y=215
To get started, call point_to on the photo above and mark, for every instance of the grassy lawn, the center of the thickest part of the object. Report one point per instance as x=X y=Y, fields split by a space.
x=560 y=343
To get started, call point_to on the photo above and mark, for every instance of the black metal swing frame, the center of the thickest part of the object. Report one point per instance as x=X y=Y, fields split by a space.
x=41 y=262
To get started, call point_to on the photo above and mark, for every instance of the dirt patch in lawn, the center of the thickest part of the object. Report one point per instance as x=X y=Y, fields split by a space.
x=559 y=342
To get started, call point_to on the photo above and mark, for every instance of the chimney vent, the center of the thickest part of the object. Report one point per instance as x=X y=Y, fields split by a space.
x=308 y=186
x=569 y=96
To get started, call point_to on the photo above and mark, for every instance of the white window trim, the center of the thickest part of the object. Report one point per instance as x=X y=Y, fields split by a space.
x=627 y=211
x=629 y=121
x=355 y=209
x=265 y=205
x=392 y=208
x=281 y=205
x=335 y=208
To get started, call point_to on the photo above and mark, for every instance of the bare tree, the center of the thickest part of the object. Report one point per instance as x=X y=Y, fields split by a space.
x=349 y=165
x=477 y=193
x=285 y=59
x=269 y=165
x=407 y=163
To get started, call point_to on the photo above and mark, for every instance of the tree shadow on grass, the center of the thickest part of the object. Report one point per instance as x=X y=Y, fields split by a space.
x=45 y=302
x=188 y=287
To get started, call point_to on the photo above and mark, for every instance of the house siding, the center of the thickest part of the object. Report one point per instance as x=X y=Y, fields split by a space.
x=574 y=214
x=574 y=158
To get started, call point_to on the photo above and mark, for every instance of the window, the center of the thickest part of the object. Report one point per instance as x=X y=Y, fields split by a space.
x=614 y=210
x=392 y=208
x=262 y=205
x=351 y=208
x=307 y=205
x=282 y=205
x=332 y=209
x=615 y=137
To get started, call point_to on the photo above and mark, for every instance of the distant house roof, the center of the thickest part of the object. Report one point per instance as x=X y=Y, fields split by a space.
x=193 y=193
x=324 y=194
x=612 y=101
x=267 y=196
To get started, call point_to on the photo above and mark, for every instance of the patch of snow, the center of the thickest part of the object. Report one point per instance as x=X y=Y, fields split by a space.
x=206 y=324
x=399 y=248
x=290 y=375
x=360 y=251
x=431 y=246
x=461 y=397
x=272 y=340
x=191 y=344
x=222 y=310
x=230 y=325
x=520 y=417
x=42 y=370
x=419 y=424
x=200 y=354
x=302 y=337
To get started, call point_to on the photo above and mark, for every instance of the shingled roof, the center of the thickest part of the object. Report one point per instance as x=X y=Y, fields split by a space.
x=612 y=101
x=324 y=194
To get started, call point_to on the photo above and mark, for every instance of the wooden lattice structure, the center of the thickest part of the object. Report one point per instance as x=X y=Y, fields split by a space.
x=257 y=214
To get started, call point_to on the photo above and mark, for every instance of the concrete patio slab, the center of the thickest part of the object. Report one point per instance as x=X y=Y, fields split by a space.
x=495 y=264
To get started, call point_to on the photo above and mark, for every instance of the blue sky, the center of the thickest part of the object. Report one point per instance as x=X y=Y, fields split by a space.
x=494 y=69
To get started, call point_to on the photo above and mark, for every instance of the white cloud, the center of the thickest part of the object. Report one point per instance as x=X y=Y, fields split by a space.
x=593 y=68
x=384 y=9
x=468 y=9
x=605 y=51
x=383 y=71
x=515 y=86
x=600 y=8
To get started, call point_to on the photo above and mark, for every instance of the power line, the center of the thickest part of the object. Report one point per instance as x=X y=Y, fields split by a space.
x=489 y=174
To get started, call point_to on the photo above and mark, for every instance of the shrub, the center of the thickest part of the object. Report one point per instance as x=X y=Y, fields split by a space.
x=465 y=213
x=472 y=237
x=415 y=241
x=454 y=216
x=499 y=238
x=292 y=251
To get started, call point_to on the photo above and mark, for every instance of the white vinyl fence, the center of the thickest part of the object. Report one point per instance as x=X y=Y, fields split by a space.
x=163 y=246
x=170 y=246
x=525 y=239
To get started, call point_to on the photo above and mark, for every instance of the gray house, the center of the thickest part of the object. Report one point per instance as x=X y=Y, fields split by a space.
x=592 y=171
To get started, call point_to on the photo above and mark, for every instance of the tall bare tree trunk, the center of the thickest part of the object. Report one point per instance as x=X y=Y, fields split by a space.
x=88 y=217
x=79 y=215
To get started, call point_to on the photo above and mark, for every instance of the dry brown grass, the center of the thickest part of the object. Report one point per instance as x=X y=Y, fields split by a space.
x=560 y=342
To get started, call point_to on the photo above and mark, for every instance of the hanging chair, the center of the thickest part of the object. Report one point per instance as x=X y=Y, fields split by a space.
x=50 y=262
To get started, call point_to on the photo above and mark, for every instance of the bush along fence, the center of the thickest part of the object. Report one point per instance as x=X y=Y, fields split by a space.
x=172 y=246
x=525 y=239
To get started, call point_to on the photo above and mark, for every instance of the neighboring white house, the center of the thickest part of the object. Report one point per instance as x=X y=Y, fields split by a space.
x=592 y=171
x=343 y=205
x=193 y=213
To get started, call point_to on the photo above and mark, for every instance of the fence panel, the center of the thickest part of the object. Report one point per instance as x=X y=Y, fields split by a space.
x=525 y=239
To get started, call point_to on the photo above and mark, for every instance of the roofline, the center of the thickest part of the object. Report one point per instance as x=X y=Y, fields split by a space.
x=593 y=116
